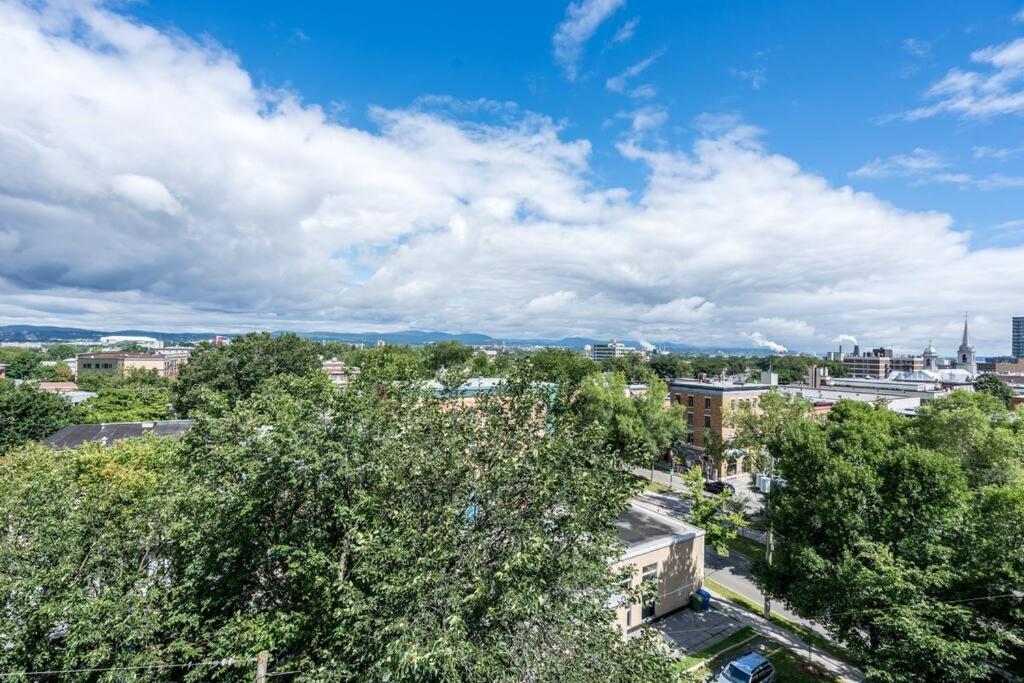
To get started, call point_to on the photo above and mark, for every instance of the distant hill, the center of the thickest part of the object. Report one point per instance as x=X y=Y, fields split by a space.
x=48 y=334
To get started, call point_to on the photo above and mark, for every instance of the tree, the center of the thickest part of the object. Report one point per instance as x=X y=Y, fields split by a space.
x=670 y=365
x=27 y=414
x=716 y=516
x=447 y=354
x=564 y=367
x=881 y=538
x=222 y=375
x=62 y=351
x=20 y=362
x=762 y=428
x=630 y=365
x=992 y=385
x=640 y=428
x=126 y=405
x=381 y=533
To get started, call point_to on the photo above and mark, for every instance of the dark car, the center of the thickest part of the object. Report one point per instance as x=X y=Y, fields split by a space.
x=717 y=487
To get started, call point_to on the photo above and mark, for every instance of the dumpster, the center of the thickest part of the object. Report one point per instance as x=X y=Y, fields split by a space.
x=705 y=596
x=696 y=602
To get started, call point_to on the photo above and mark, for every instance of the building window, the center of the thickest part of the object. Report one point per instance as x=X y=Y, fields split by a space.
x=689 y=419
x=650 y=572
x=707 y=403
x=689 y=401
x=689 y=438
x=629 y=616
x=707 y=422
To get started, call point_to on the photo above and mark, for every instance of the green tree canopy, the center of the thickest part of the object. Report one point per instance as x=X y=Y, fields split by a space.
x=222 y=375
x=882 y=536
x=379 y=533
x=992 y=385
x=447 y=354
x=565 y=367
x=670 y=366
x=27 y=414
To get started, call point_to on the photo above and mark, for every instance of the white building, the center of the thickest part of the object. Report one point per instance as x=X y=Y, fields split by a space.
x=128 y=340
x=613 y=349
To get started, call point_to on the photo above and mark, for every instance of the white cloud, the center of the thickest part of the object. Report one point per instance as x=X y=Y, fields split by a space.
x=620 y=83
x=756 y=77
x=839 y=339
x=1001 y=153
x=996 y=90
x=916 y=47
x=763 y=342
x=626 y=31
x=915 y=163
x=582 y=20
x=248 y=208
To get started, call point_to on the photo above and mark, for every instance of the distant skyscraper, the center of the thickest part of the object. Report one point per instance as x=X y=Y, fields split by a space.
x=1018 y=337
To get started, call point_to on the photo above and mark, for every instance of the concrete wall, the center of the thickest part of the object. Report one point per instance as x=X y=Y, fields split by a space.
x=680 y=573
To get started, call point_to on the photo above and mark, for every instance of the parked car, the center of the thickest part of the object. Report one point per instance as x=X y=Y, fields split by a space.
x=750 y=668
x=717 y=487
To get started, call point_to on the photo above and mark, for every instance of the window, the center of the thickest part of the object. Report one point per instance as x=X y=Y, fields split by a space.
x=689 y=401
x=650 y=572
x=689 y=419
x=689 y=438
x=629 y=616
x=707 y=422
x=707 y=403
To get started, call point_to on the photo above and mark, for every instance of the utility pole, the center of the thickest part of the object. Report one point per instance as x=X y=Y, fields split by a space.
x=770 y=545
x=261 y=667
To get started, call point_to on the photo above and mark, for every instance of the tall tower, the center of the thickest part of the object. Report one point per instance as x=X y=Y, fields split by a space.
x=931 y=357
x=965 y=354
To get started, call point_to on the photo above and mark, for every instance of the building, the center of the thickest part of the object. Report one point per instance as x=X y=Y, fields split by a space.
x=879 y=363
x=1017 y=337
x=3 y=371
x=965 y=359
x=662 y=549
x=174 y=358
x=709 y=405
x=613 y=349
x=119 y=362
x=340 y=373
x=131 y=340
x=74 y=436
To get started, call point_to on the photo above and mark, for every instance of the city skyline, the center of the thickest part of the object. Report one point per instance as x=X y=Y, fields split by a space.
x=600 y=168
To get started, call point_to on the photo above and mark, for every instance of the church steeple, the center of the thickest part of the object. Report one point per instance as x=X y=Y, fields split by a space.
x=965 y=354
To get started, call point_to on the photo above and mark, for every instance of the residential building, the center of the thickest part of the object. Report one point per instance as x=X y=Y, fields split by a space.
x=879 y=363
x=174 y=358
x=613 y=349
x=116 y=363
x=661 y=549
x=340 y=373
x=1017 y=337
x=74 y=436
x=709 y=405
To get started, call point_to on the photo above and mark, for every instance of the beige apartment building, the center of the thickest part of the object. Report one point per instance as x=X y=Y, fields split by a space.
x=116 y=363
x=664 y=550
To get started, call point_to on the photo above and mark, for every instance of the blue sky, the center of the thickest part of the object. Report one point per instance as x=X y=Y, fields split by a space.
x=784 y=174
x=827 y=75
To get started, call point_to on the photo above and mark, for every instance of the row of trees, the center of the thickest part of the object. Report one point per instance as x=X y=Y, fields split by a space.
x=381 y=533
x=903 y=537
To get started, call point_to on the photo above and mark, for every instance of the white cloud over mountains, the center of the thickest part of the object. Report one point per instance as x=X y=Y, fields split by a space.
x=148 y=182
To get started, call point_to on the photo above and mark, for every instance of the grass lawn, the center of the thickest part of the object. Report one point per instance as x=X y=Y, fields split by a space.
x=654 y=486
x=747 y=547
x=815 y=639
x=792 y=668
x=710 y=653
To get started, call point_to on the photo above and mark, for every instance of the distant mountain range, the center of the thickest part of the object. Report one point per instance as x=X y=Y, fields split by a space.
x=46 y=334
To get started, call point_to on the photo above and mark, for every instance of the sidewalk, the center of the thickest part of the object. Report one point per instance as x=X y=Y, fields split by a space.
x=841 y=669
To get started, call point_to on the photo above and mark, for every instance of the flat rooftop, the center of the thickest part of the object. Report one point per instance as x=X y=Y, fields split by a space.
x=643 y=529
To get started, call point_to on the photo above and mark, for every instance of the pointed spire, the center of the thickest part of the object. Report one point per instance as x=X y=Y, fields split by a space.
x=967 y=336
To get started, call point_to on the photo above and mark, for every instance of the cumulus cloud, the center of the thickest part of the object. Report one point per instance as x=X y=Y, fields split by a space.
x=582 y=20
x=763 y=342
x=840 y=338
x=993 y=89
x=148 y=182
